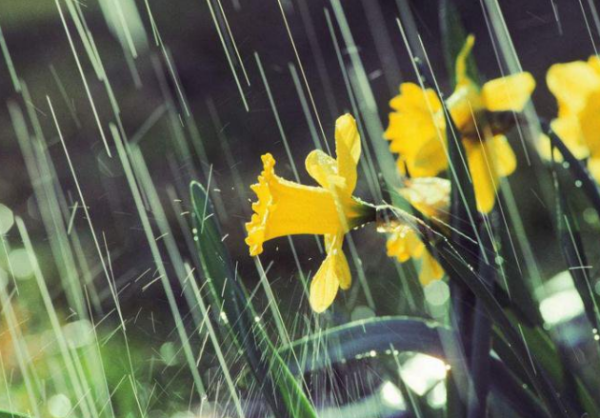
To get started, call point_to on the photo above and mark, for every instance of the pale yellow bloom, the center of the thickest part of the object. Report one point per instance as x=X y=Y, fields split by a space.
x=404 y=244
x=288 y=208
x=429 y=195
x=417 y=129
x=576 y=86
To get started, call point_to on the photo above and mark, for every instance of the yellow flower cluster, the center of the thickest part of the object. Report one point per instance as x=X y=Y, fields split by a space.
x=417 y=134
x=288 y=208
x=576 y=86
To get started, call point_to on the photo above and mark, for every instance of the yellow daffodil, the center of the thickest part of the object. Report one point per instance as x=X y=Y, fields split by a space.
x=431 y=197
x=576 y=86
x=403 y=243
x=417 y=129
x=288 y=208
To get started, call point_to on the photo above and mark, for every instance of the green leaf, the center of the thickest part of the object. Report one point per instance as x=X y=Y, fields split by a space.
x=461 y=271
x=403 y=334
x=283 y=393
x=8 y=414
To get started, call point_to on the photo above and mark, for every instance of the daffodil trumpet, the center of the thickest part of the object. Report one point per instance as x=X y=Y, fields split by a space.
x=288 y=208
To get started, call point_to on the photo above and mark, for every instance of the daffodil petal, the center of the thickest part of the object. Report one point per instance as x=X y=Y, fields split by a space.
x=333 y=246
x=343 y=271
x=461 y=61
x=589 y=120
x=484 y=177
x=403 y=244
x=594 y=168
x=508 y=93
x=430 y=158
x=568 y=128
x=429 y=195
x=431 y=270
x=502 y=155
x=323 y=168
x=347 y=148
x=324 y=285
x=571 y=83
x=417 y=130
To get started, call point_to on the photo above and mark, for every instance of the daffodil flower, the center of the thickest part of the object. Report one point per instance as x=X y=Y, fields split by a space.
x=417 y=129
x=288 y=208
x=431 y=197
x=404 y=244
x=576 y=86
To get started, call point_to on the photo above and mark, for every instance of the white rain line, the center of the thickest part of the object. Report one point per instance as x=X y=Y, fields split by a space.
x=129 y=174
x=78 y=385
x=83 y=77
x=215 y=341
x=231 y=37
x=228 y=55
x=286 y=144
x=302 y=72
x=85 y=210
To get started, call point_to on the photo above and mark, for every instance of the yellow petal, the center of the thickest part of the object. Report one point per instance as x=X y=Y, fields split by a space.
x=288 y=208
x=569 y=130
x=483 y=175
x=344 y=275
x=347 y=149
x=461 y=61
x=429 y=195
x=501 y=155
x=594 y=63
x=324 y=169
x=571 y=83
x=464 y=104
x=589 y=120
x=430 y=269
x=333 y=246
x=403 y=243
x=324 y=285
x=417 y=130
x=430 y=158
x=594 y=168
x=508 y=93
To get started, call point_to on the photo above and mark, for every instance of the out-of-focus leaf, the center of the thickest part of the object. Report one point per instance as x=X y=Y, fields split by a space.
x=459 y=270
x=402 y=334
x=549 y=359
x=283 y=393
x=359 y=337
x=8 y=414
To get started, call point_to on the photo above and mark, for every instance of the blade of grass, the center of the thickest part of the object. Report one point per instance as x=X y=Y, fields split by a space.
x=481 y=341
x=279 y=387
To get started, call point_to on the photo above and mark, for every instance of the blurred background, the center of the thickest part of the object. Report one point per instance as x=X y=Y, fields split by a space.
x=199 y=90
